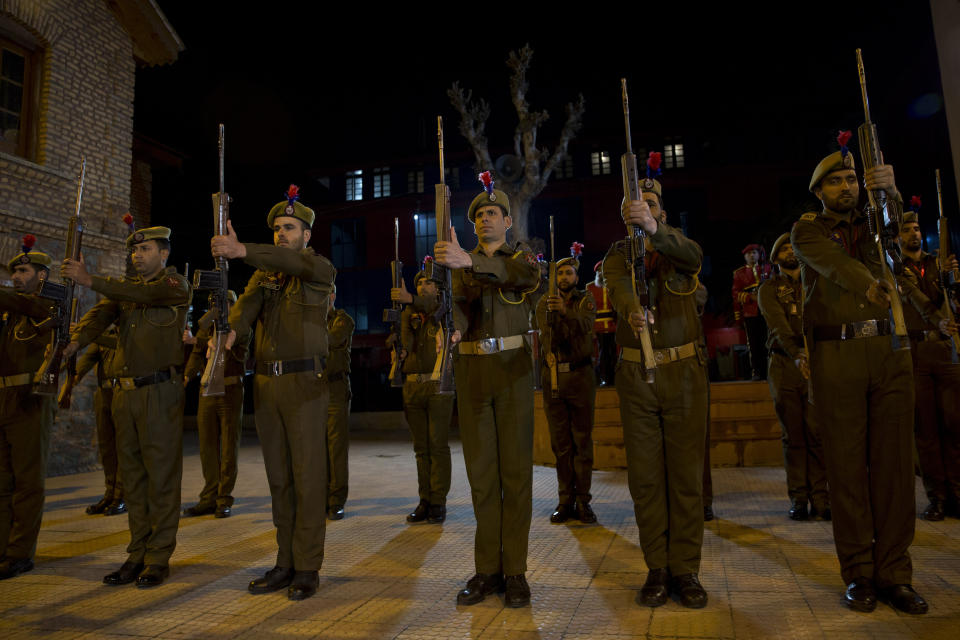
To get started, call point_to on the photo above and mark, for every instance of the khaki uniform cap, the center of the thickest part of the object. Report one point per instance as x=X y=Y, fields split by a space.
x=911 y=216
x=150 y=233
x=650 y=185
x=499 y=198
x=573 y=262
x=779 y=242
x=300 y=212
x=38 y=258
x=836 y=161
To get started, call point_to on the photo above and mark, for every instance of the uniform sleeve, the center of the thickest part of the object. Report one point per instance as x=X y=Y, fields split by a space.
x=305 y=264
x=95 y=322
x=616 y=273
x=197 y=361
x=924 y=306
x=341 y=330
x=244 y=313
x=685 y=254
x=777 y=323
x=578 y=321
x=167 y=290
x=546 y=331
x=88 y=360
x=518 y=272
x=406 y=331
x=31 y=306
x=828 y=258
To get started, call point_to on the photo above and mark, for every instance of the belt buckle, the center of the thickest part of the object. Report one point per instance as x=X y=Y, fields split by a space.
x=659 y=356
x=275 y=367
x=487 y=346
x=866 y=329
x=563 y=367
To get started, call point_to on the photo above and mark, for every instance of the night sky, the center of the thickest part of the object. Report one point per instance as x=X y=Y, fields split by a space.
x=306 y=88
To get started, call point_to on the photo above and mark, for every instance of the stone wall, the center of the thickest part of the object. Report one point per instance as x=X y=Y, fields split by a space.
x=85 y=109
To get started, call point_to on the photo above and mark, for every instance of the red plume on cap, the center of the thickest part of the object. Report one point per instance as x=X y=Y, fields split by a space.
x=653 y=164
x=487 y=180
x=576 y=249
x=842 y=139
x=427 y=259
x=28 y=241
x=915 y=203
x=293 y=194
x=128 y=220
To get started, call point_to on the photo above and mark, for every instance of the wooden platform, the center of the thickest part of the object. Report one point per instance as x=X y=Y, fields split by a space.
x=744 y=431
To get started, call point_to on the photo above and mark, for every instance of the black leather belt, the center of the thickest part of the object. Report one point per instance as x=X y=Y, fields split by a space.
x=339 y=375
x=275 y=368
x=605 y=314
x=142 y=381
x=852 y=330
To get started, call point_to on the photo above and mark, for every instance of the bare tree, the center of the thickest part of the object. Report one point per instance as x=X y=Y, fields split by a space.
x=537 y=163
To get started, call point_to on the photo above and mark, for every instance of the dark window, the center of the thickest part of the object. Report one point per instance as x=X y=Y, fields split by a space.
x=381 y=182
x=415 y=181
x=347 y=243
x=452 y=178
x=425 y=232
x=355 y=185
x=564 y=169
x=19 y=70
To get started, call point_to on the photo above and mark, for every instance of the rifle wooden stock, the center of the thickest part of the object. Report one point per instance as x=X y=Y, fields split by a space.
x=551 y=316
x=635 y=241
x=393 y=314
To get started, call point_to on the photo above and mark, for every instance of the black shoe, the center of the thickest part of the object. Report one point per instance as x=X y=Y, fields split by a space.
x=562 y=513
x=438 y=513
x=934 y=511
x=798 y=510
x=656 y=589
x=152 y=575
x=126 y=574
x=223 y=511
x=304 y=585
x=479 y=587
x=273 y=580
x=861 y=595
x=707 y=513
x=587 y=516
x=904 y=598
x=421 y=513
x=12 y=567
x=335 y=512
x=116 y=508
x=688 y=588
x=98 y=507
x=518 y=592
x=199 y=510
x=821 y=513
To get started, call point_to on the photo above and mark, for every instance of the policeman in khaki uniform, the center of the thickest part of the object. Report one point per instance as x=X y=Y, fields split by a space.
x=219 y=421
x=149 y=312
x=427 y=412
x=937 y=380
x=781 y=303
x=287 y=298
x=860 y=386
x=100 y=355
x=664 y=422
x=340 y=329
x=25 y=419
x=566 y=342
x=494 y=373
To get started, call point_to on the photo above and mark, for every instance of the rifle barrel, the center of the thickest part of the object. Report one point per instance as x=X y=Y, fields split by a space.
x=220 y=144
x=863 y=87
x=440 y=140
x=626 y=113
x=939 y=194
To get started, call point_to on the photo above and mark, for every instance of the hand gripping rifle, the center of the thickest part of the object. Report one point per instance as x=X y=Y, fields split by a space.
x=392 y=315
x=443 y=368
x=635 y=241
x=949 y=280
x=552 y=291
x=215 y=281
x=882 y=216
x=65 y=310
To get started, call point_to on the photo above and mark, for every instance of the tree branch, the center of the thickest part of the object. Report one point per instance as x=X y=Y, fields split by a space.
x=473 y=121
x=570 y=128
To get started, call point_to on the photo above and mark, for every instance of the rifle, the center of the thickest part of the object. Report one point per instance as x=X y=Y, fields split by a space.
x=215 y=281
x=949 y=280
x=65 y=310
x=392 y=315
x=552 y=291
x=189 y=317
x=443 y=367
x=635 y=240
x=883 y=218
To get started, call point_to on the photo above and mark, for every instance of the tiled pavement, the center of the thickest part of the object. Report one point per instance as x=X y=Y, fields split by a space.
x=766 y=575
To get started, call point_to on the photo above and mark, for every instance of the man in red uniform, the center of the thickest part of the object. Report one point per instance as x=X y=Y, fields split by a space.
x=604 y=327
x=746 y=281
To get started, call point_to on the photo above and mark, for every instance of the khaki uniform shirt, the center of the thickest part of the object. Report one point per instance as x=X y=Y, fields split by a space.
x=570 y=336
x=25 y=325
x=340 y=326
x=418 y=335
x=781 y=303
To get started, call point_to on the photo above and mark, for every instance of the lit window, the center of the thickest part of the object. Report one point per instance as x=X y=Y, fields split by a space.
x=673 y=156
x=415 y=181
x=600 y=163
x=381 y=182
x=19 y=71
x=355 y=185
x=564 y=169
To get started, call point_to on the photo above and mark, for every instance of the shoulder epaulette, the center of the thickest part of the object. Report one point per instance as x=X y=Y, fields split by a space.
x=809 y=217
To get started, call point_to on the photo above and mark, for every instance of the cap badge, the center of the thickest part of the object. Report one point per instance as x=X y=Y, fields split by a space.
x=138 y=237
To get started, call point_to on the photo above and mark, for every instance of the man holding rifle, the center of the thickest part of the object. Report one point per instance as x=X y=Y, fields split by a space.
x=937 y=378
x=664 y=421
x=149 y=312
x=494 y=374
x=287 y=299
x=25 y=419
